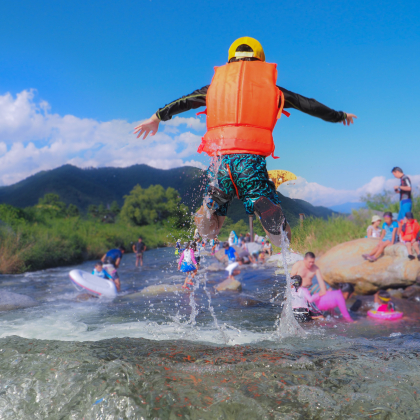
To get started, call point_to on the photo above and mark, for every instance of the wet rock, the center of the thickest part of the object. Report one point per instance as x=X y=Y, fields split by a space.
x=85 y=296
x=344 y=263
x=229 y=284
x=156 y=290
x=292 y=257
x=10 y=301
x=396 y=293
x=246 y=300
x=205 y=253
x=412 y=292
x=215 y=267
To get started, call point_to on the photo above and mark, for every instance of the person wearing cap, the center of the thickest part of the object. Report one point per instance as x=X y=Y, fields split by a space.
x=387 y=238
x=408 y=230
x=404 y=190
x=243 y=105
x=373 y=230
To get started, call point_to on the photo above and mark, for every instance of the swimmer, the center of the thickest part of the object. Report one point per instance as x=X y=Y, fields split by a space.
x=307 y=269
x=330 y=300
x=188 y=264
x=383 y=302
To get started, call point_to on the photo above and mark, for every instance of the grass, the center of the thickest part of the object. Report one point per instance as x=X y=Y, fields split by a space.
x=28 y=247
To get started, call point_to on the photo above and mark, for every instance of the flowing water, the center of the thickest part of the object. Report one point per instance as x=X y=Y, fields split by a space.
x=199 y=355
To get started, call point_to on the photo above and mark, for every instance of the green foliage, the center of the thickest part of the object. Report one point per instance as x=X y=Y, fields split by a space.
x=11 y=215
x=318 y=235
x=93 y=210
x=115 y=208
x=384 y=201
x=51 y=206
x=153 y=205
x=72 y=211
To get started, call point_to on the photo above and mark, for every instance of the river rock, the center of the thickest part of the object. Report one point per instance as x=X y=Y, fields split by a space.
x=229 y=284
x=344 y=263
x=215 y=267
x=412 y=292
x=291 y=258
x=205 y=253
x=10 y=301
x=156 y=290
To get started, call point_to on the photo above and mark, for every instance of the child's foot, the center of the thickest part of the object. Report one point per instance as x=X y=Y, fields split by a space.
x=365 y=256
x=270 y=215
x=371 y=259
x=411 y=257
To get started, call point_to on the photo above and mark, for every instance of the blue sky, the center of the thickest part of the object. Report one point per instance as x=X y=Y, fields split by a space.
x=97 y=68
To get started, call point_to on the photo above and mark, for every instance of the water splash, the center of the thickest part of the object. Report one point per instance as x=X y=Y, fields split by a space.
x=287 y=326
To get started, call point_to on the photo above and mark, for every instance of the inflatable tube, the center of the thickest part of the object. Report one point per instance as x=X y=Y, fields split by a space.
x=93 y=284
x=386 y=316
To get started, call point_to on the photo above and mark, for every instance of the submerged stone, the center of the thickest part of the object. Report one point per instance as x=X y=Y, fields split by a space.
x=156 y=290
x=229 y=284
x=10 y=301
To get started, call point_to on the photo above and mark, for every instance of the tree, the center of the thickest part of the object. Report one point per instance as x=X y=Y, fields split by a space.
x=115 y=208
x=72 y=210
x=51 y=206
x=101 y=210
x=93 y=210
x=153 y=205
x=384 y=201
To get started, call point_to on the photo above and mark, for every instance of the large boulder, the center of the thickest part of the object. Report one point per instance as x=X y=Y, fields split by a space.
x=10 y=301
x=230 y=285
x=344 y=263
x=291 y=258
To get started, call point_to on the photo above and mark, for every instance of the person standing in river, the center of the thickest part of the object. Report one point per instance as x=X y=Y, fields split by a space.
x=138 y=248
x=243 y=105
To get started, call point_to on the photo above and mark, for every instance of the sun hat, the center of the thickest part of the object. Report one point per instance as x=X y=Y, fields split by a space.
x=375 y=218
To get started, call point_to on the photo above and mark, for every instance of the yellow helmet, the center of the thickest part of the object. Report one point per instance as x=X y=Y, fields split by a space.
x=257 y=48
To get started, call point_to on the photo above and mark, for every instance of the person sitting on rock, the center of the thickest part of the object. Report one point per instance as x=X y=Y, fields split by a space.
x=408 y=231
x=388 y=237
x=373 y=230
x=267 y=248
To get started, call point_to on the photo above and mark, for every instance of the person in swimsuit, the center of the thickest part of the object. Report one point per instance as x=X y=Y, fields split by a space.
x=138 y=248
x=307 y=269
x=243 y=105
x=404 y=190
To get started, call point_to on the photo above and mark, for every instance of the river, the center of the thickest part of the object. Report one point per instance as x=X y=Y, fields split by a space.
x=201 y=355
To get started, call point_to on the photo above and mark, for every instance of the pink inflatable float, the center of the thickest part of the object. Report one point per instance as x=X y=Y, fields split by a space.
x=386 y=316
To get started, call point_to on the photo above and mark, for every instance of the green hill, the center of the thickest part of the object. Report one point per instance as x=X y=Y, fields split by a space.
x=84 y=187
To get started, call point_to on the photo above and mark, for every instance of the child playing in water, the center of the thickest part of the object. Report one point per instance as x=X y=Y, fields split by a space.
x=230 y=252
x=188 y=264
x=383 y=302
x=330 y=300
x=100 y=272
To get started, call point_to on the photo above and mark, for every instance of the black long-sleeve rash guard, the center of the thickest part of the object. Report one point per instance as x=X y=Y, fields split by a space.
x=291 y=100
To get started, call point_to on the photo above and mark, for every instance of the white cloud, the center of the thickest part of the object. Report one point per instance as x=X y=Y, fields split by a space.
x=320 y=195
x=33 y=139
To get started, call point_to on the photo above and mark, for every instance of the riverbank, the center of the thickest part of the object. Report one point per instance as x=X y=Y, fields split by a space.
x=59 y=242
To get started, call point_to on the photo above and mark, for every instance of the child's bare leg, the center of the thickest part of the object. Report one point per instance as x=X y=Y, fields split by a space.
x=416 y=247
x=408 y=246
x=208 y=222
x=381 y=249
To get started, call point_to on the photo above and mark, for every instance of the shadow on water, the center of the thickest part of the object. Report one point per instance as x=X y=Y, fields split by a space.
x=202 y=356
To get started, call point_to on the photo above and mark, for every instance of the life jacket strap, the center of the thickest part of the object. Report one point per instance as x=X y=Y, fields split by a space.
x=233 y=182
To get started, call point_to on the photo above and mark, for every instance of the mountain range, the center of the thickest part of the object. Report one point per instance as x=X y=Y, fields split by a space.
x=84 y=187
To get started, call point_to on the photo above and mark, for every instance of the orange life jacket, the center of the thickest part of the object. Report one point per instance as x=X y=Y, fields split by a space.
x=242 y=109
x=411 y=230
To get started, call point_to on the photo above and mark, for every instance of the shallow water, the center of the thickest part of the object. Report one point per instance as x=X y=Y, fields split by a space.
x=157 y=358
